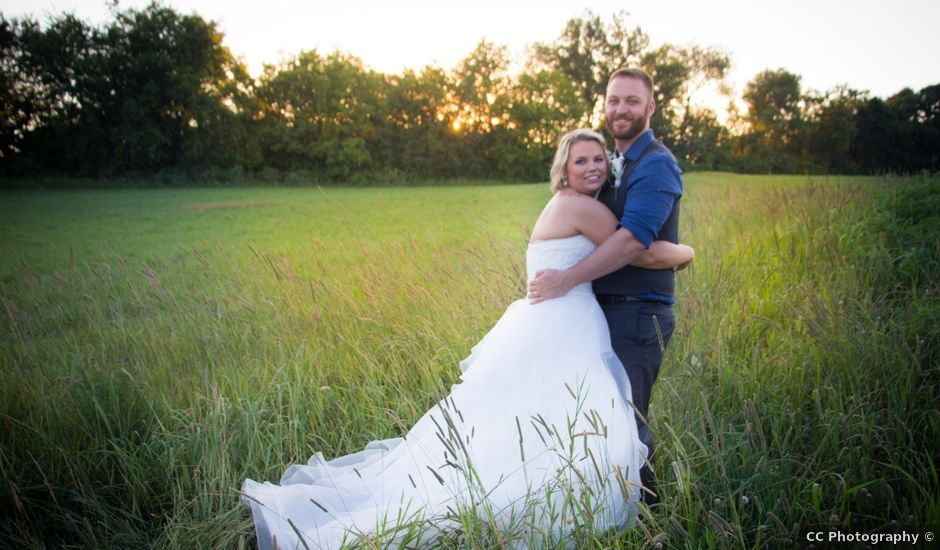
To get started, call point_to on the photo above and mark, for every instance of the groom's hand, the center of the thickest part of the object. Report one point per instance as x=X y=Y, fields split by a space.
x=680 y=267
x=548 y=284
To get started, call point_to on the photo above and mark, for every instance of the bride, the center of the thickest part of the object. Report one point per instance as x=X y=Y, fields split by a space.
x=537 y=440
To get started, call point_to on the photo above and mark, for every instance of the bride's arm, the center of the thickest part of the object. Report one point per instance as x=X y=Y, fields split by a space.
x=664 y=254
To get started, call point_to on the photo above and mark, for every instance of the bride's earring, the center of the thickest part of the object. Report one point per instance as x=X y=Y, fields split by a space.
x=564 y=181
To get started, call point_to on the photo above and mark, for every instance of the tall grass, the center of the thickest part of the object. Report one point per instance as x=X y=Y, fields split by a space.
x=158 y=347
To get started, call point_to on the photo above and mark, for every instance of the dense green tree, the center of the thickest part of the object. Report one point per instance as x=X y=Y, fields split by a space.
x=541 y=107
x=125 y=97
x=479 y=80
x=831 y=127
x=320 y=114
x=588 y=51
x=917 y=121
x=224 y=130
x=928 y=114
x=773 y=141
x=172 y=73
x=875 y=140
x=418 y=137
x=680 y=74
x=899 y=134
x=20 y=98
x=58 y=74
x=479 y=101
x=702 y=141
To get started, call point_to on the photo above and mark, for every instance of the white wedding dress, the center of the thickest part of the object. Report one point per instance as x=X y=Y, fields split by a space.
x=537 y=439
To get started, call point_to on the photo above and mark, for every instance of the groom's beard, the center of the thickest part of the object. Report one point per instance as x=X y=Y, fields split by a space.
x=635 y=128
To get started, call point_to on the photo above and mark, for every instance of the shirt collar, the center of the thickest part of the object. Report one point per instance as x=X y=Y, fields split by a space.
x=639 y=145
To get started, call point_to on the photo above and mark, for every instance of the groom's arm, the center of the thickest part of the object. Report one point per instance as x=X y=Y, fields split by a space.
x=618 y=250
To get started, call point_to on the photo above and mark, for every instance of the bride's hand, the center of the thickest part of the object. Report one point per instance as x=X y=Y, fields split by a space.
x=548 y=284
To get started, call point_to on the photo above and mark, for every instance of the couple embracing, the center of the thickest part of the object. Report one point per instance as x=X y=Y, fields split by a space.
x=546 y=433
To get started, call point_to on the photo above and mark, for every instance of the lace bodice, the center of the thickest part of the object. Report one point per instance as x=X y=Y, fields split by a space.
x=559 y=254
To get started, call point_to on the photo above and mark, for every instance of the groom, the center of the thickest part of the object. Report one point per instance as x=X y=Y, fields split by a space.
x=645 y=198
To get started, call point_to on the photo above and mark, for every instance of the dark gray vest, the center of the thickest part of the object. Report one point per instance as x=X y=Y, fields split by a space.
x=634 y=280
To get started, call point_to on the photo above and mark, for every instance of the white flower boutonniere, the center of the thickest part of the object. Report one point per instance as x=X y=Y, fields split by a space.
x=616 y=166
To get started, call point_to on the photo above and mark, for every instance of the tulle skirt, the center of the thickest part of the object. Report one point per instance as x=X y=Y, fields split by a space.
x=537 y=439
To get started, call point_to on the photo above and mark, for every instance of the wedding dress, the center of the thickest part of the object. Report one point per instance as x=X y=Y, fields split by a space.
x=536 y=440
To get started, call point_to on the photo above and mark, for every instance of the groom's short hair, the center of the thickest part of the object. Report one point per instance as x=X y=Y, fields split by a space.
x=633 y=72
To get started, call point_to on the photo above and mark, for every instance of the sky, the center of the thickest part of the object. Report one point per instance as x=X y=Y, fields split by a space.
x=862 y=43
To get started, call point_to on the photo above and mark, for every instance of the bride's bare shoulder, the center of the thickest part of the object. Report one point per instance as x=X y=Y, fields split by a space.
x=577 y=202
x=573 y=198
x=568 y=214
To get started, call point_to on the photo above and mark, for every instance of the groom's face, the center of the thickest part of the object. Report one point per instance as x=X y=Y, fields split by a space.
x=628 y=108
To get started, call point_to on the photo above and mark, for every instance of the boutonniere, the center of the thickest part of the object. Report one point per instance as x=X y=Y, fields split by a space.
x=616 y=166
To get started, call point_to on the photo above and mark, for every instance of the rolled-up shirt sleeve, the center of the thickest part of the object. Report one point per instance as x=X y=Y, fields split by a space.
x=653 y=188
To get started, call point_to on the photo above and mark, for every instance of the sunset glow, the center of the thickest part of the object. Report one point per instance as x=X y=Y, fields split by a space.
x=392 y=37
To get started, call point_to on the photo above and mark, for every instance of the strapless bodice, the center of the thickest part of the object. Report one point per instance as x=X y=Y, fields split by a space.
x=559 y=254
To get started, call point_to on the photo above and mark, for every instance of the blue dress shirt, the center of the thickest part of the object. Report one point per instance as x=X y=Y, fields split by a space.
x=652 y=189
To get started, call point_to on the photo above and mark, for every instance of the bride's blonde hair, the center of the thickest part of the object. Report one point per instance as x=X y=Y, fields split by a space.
x=557 y=173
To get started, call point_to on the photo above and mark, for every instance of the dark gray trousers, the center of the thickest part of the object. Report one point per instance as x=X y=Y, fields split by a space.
x=639 y=346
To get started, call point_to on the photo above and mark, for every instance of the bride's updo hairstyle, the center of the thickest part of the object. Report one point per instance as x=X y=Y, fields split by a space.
x=557 y=173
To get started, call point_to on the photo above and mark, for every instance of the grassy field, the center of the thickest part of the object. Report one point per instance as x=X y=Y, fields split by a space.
x=159 y=346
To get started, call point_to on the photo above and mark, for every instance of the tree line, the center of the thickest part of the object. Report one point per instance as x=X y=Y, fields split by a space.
x=156 y=91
